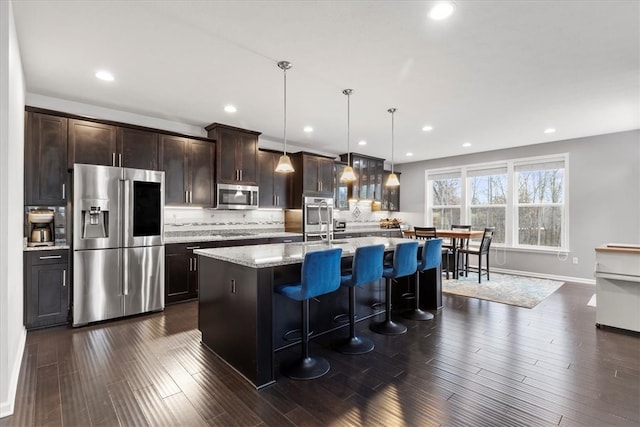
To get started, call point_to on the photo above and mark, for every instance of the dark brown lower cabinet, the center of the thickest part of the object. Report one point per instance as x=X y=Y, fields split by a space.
x=181 y=264
x=46 y=288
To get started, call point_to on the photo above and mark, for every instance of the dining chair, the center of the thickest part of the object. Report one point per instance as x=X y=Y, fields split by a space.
x=454 y=245
x=483 y=249
x=320 y=275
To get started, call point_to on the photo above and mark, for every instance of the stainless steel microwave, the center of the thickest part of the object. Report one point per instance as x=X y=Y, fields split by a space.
x=232 y=196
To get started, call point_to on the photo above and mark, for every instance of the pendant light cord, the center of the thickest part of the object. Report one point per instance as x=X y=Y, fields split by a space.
x=348 y=128
x=285 y=111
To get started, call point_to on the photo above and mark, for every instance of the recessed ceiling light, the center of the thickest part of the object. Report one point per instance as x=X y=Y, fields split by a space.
x=427 y=128
x=409 y=154
x=230 y=109
x=308 y=129
x=549 y=130
x=441 y=10
x=466 y=144
x=104 y=75
x=362 y=142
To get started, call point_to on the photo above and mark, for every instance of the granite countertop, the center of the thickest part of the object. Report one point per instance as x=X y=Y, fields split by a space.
x=279 y=254
x=45 y=248
x=212 y=236
x=364 y=229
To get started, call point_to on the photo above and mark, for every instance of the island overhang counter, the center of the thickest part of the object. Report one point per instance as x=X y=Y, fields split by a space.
x=244 y=322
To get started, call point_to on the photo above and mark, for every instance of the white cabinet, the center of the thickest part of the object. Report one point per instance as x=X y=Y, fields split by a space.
x=618 y=286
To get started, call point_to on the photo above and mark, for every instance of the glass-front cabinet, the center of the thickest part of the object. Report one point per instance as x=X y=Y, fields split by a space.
x=369 y=174
x=340 y=189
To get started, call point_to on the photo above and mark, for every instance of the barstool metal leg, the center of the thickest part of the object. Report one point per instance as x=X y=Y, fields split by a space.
x=354 y=344
x=388 y=326
x=416 y=313
x=306 y=368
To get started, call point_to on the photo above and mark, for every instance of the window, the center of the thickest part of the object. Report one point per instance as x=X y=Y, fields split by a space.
x=488 y=190
x=524 y=199
x=540 y=203
x=446 y=191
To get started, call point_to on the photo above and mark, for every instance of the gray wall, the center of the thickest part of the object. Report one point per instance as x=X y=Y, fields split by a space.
x=604 y=199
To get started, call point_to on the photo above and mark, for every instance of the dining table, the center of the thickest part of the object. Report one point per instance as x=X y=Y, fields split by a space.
x=455 y=236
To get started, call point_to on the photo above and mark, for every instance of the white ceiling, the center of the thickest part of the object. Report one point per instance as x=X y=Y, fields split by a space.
x=496 y=73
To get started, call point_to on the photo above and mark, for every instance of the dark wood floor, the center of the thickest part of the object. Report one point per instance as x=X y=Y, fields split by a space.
x=477 y=363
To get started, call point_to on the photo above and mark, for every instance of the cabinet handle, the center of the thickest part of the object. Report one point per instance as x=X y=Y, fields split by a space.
x=186 y=197
x=64 y=191
x=233 y=286
x=193 y=247
x=195 y=264
x=240 y=174
x=113 y=159
x=120 y=159
x=64 y=278
x=190 y=264
x=237 y=175
x=277 y=200
x=190 y=196
x=51 y=257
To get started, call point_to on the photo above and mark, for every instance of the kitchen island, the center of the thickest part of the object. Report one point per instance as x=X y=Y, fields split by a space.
x=245 y=323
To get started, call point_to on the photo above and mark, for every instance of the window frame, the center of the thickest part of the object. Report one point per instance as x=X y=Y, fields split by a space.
x=512 y=204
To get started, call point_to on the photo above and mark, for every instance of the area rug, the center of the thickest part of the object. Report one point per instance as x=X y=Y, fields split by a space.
x=503 y=288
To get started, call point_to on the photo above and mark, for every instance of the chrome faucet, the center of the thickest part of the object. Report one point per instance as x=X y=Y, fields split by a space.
x=324 y=224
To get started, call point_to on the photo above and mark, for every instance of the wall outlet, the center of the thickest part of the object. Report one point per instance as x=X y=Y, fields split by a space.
x=575 y=259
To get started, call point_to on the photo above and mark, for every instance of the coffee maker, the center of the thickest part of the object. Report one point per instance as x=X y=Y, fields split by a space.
x=40 y=227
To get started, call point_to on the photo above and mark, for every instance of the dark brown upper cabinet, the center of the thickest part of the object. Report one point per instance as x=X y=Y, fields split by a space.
x=188 y=166
x=137 y=149
x=369 y=177
x=273 y=185
x=313 y=174
x=236 y=154
x=45 y=160
x=92 y=143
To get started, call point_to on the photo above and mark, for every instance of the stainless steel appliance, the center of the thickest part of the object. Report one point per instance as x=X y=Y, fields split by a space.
x=317 y=218
x=118 y=242
x=237 y=196
x=40 y=227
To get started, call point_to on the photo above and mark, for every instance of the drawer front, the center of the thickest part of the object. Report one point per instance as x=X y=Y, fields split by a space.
x=47 y=257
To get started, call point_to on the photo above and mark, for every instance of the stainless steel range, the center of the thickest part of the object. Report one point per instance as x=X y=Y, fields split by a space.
x=118 y=242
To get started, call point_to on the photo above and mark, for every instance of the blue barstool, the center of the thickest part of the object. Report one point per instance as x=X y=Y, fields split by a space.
x=366 y=268
x=320 y=275
x=431 y=258
x=405 y=263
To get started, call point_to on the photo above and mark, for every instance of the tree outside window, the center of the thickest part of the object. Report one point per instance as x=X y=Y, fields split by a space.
x=540 y=204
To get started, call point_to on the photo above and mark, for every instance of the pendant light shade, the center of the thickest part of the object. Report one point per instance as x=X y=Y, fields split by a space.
x=284 y=164
x=347 y=174
x=392 y=181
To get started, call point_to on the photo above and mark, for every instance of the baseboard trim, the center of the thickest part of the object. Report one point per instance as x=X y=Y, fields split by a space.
x=580 y=280
x=7 y=407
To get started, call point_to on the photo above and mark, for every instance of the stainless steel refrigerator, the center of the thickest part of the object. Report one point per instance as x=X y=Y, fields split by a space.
x=118 y=242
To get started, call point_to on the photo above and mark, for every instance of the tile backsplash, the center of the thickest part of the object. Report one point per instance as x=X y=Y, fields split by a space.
x=180 y=219
x=267 y=220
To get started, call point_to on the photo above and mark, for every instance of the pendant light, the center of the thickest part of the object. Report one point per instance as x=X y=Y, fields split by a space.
x=392 y=181
x=347 y=174
x=284 y=164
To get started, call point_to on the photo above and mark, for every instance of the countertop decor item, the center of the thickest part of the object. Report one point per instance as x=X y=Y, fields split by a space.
x=347 y=174
x=392 y=181
x=284 y=164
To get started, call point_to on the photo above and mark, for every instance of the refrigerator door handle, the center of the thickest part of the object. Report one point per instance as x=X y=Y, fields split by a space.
x=125 y=273
x=126 y=231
